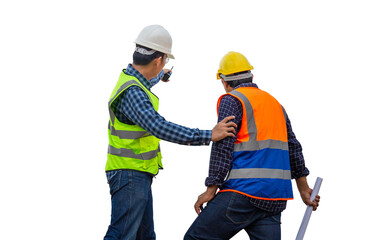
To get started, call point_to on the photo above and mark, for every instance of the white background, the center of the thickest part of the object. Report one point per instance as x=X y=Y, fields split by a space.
x=59 y=61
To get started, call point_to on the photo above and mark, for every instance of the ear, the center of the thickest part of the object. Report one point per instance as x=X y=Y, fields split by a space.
x=224 y=83
x=157 y=61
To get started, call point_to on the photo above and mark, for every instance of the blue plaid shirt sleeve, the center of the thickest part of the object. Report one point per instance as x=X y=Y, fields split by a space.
x=155 y=80
x=221 y=158
x=136 y=106
x=297 y=163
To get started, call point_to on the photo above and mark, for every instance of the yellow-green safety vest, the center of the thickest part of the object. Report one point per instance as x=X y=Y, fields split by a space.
x=130 y=146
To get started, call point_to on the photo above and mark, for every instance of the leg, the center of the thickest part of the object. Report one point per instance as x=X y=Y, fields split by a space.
x=213 y=222
x=129 y=198
x=146 y=230
x=267 y=228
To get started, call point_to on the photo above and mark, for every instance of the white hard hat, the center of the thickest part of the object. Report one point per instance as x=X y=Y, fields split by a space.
x=157 y=38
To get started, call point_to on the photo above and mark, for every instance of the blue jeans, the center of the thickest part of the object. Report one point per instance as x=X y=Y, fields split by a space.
x=228 y=213
x=131 y=206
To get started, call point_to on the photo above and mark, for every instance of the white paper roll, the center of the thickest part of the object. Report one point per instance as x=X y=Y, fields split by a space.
x=308 y=212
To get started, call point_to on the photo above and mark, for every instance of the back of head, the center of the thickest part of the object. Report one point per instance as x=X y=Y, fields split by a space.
x=237 y=78
x=235 y=69
x=143 y=55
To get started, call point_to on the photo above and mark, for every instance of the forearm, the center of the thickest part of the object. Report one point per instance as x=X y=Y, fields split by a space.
x=175 y=133
x=212 y=189
x=138 y=108
x=220 y=162
x=302 y=184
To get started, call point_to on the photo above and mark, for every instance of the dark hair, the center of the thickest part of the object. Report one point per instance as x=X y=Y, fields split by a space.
x=140 y=59
x=235 y=83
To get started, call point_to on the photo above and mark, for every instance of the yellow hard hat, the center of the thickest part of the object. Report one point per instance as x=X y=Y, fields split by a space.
x=233 y=62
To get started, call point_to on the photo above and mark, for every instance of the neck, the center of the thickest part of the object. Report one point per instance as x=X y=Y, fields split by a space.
x=226 y=86
x=146 y=71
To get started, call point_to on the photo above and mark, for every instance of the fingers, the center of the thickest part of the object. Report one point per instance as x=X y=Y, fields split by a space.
x=229 y=134
x=317 y=198
x=198 y=210
x=166 y=70
x=306 y=195
x=316 y=203
x=224 y=129
x=198 y=207
x=231 y=125
x=225 y=120
x=315 y=206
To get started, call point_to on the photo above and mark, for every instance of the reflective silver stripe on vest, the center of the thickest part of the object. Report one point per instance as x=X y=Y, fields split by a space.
x=251 y=122
x=128 y=153
x=284 y=112
x=259 y=145
x=260 y=173
x=112 y=116
x=122 y=134
x=122 y=87
x=253 y=144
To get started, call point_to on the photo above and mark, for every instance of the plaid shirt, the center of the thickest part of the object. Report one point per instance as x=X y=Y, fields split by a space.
x=134 y=107
x=222 y=152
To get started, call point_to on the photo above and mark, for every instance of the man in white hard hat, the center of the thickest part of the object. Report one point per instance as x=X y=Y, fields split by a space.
x=135 y=129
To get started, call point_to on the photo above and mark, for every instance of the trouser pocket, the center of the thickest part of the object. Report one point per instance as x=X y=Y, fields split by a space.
x=240 y=210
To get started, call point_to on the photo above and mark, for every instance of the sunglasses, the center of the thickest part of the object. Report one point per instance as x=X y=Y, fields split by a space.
x=167 y=60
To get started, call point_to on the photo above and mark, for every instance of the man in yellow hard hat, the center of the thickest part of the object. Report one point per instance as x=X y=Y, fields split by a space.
x=252 y=170
x=135 y=129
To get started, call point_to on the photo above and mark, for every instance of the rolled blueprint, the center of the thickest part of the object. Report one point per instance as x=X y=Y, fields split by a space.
x=308 y=212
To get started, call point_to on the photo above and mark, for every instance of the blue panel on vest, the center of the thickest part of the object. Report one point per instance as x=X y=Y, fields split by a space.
x=262 y=188
x=265 y=158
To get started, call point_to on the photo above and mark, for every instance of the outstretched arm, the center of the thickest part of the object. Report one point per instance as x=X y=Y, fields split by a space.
x=136 y=106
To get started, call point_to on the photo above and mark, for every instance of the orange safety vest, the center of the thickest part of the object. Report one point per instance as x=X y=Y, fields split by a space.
x=261 y=166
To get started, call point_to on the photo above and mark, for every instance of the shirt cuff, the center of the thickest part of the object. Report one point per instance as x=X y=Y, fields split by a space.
x=303 y=173
x=154 y=81
x=212 y=181
x=205 y=137
x=202 y=137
